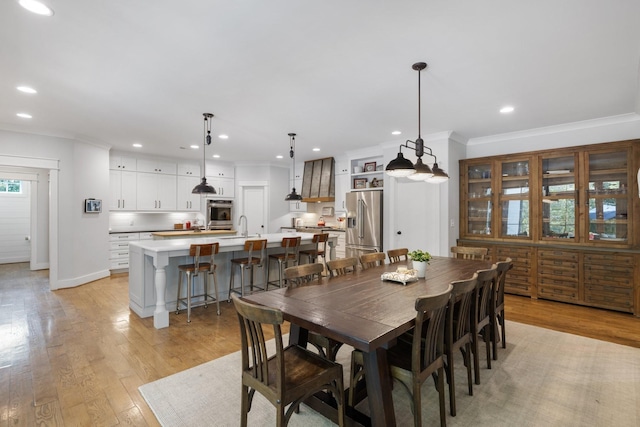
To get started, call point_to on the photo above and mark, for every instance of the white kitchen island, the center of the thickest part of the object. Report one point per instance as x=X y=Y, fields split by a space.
x=153 y=269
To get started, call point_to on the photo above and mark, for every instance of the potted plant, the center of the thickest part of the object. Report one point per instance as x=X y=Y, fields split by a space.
x=420 y=259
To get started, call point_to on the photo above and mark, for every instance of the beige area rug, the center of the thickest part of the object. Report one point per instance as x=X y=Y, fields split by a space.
x=542 y=378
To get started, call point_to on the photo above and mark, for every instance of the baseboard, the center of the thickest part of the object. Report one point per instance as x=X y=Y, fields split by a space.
x=77 y=281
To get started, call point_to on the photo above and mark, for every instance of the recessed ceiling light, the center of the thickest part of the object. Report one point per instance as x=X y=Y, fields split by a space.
x=316 y=149
x=507 y=109
x=26 y=89
x=396 y=132
x=137 y=145
x=36 y=7
x=223 y=136
x=195 y=147
x=216 y=156
x=24 y=115
x=279 y=156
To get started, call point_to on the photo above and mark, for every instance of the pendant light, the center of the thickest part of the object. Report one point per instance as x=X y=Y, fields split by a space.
x=203 y=187
x=293 y=196
x=402 y=167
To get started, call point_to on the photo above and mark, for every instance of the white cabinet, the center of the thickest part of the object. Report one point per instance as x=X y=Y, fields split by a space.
x=157 y=166
x=119 y=249
x=297 y=206
x=123 y=190
x=225 y=187
x=187 y=201
x=342 y=167
x=340 y=243
x=156 y=192
x=219 y=170
x=189 y=169
x=367 y=173
x=342 y=187
x=122 y=163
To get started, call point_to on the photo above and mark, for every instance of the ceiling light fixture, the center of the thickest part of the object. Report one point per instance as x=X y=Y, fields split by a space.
x=223 y=136
x=401 y=167
x=137 y=145
x=36 y=7
x=507 y=109
x=293 y=196
x=27 y=89
x=203 y=187
x=24 y=115
x=396 y=132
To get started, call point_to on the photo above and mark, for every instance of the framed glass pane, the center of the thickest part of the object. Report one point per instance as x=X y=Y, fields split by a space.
x=558 y=207
x=479 y=217
x=608 y=198
x=515 y=218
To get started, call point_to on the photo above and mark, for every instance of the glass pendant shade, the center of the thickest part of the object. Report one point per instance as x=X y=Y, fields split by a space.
x=400 y=167
x=423 y=172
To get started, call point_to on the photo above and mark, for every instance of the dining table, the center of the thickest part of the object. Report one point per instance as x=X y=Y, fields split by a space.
x=367 y=313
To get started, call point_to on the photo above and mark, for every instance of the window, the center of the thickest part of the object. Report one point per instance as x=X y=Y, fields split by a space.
x=11 y=186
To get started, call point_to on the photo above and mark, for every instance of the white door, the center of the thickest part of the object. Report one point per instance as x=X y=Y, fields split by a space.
x=417 y=213
x=254 y=207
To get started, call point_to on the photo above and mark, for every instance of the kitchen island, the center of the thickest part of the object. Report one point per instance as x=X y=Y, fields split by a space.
x=187 y=234
x=153 y=269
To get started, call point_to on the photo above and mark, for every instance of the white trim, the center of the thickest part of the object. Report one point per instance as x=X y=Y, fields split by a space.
x=53 y=229
x=29 y=162
x=8 y=174
x=77 y=281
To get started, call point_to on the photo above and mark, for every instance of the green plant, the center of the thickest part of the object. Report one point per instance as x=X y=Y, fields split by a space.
x=418 y=255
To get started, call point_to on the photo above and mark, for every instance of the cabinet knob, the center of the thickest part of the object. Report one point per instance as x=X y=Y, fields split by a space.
x=399 y=232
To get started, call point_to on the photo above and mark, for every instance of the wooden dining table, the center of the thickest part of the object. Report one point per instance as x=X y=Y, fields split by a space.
x=367 y=313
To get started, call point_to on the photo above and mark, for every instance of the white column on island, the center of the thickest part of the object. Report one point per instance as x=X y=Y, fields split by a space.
x=161 y=315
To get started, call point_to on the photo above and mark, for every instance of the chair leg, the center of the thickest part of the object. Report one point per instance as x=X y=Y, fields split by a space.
x=504 y=337
x=215 y=289
x=443 y=415
x=449 y=370
x=189 y=290
x=244 y=410
x=417 y=403
x=467 y=361
x=179 y=286
x=487 y=343
x=230 y=283
x=476 y=358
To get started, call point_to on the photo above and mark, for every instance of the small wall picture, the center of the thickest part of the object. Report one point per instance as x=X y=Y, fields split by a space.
x=92 y=205
x=360 y=183
x=375 y=183
x=370 y=167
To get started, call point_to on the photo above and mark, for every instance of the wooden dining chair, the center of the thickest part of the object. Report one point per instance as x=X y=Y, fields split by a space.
x=497 y=314
x=252 y=247
x=285 y=259
x=303 y=274
x=373 y=259
x=481 y=316
x=342 y=266
x=320 y=248
x=413 y=362
x=193 y=270
x=286 y=376
x=458 y=334
x=396 y=255
x=469 y=252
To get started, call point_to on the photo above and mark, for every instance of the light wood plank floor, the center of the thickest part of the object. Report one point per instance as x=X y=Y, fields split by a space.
x=77 y=356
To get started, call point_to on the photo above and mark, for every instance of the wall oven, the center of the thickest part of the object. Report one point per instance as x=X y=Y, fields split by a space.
x=219 y=214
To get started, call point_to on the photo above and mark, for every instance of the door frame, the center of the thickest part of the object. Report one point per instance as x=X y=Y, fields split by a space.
x=265 y=187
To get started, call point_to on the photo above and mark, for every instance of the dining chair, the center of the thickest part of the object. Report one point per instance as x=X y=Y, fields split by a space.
x=193 y=270
x=497 y=314
x=320 y=248
x=481 y=316
x=469 y=252
x=248 y=263
x=287 y=376
x=395 y=255
x=373 y=259
x=458 y=334
x=303 y=274
x=291 y=247
x=342 y=266
x=413 y=362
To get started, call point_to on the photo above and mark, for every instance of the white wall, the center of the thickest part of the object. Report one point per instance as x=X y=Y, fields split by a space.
x=80 y=241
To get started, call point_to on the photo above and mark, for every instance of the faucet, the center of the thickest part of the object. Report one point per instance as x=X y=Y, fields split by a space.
x=245 y=231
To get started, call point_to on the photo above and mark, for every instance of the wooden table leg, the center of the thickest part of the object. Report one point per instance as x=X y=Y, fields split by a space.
x=298 y=335
x=378 y=382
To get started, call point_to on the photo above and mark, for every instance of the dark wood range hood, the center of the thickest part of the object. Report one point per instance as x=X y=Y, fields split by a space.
x=318 y=183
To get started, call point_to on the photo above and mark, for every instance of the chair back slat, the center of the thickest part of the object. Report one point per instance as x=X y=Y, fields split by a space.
x=428 y=337
x=291 y=247
x=395 y=255
x=503 y=267
x=342 y=266
x=303 y=274
x=373 y=259
x=468 y=252
x=484 y=287
x=252 y=246
x=197 y=251
x=459 y=311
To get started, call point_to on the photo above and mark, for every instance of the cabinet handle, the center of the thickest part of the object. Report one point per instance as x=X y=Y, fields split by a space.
x=122 y=203
x=159 y=204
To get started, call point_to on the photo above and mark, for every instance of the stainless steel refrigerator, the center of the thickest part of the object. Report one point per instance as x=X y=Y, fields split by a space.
x=364 y=223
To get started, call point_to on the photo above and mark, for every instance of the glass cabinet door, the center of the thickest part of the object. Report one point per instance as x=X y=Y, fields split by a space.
x=558 y=202
x=514 y=199
x=608 y=200
x=479 y=193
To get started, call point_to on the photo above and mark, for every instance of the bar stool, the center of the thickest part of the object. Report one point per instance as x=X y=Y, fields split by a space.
x=313 y=254
x=248 y=263
x=291 y=247
x=193 y=270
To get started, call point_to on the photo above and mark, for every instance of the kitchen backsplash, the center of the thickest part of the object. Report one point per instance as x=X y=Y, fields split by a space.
x=141 y=221
x=314 y=212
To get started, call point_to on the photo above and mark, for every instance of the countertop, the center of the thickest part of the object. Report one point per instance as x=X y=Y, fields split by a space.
x=189 y=233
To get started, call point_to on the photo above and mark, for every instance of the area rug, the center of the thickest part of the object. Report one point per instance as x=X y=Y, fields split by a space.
x=542 y=378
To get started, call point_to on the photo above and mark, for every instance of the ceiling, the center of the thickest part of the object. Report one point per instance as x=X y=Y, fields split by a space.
x=338 y=73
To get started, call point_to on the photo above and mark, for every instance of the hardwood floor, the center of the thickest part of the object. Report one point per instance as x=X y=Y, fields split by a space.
x=77 y=356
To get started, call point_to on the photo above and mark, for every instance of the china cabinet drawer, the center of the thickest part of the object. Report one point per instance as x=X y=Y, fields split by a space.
x=557 y=283
x=552 y=255
x=605 y=298
x=558 y=294
x=607 y=259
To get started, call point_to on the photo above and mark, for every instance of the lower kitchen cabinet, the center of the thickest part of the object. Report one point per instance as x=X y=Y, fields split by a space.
x=119 y=248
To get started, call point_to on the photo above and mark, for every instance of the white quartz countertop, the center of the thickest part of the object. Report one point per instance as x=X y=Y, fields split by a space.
x=227 y=243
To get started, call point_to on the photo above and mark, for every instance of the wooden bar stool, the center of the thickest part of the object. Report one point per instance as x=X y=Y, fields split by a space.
x=193 y=270
x=320 y=242
x=248 y=263
x=291 y=247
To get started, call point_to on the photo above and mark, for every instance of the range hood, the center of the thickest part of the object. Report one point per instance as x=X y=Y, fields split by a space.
x=318 y=180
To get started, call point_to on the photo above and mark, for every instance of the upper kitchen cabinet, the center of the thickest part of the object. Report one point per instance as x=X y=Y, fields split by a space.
x=189 y=169
x=220 y=176
x=122 y=185
x=156 y=192
x=318 y=183
x=186 y=200
x=220 y=170
x=122 y=163
x=157 y=166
